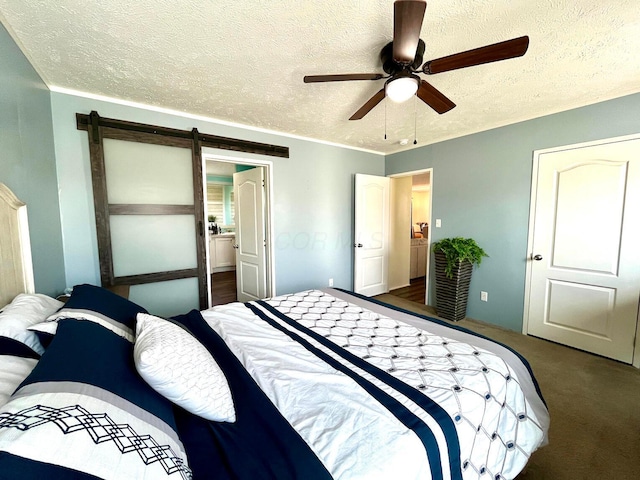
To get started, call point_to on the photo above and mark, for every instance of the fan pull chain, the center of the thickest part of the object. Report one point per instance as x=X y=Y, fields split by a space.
x=385 y=118
x=415 y=120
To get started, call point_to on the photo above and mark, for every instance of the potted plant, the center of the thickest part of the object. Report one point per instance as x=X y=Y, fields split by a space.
x=455 y=258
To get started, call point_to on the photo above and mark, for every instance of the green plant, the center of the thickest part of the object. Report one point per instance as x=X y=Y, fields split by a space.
x=212 y=218
x=457 y=250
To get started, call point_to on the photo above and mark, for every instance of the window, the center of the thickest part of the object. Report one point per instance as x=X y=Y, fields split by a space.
x=220 y=203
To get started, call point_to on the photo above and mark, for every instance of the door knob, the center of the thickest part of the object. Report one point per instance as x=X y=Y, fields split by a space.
x=358 y=245
x=537 y=258
x=235 y=245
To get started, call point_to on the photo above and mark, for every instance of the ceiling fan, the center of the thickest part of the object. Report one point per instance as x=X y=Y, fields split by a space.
x=402 y=60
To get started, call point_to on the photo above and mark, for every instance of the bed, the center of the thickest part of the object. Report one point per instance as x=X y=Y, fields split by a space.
x=316 y=384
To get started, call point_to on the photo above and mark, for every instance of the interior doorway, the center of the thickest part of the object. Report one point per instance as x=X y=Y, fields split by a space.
x=410 y=250
x=224 y=226
x=583 y=273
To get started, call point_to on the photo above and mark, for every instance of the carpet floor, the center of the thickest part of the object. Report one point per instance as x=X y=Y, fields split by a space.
x=594 y=404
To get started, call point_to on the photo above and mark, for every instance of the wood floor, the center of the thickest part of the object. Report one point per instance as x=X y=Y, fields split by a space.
x=414 y=292
x=223 y=288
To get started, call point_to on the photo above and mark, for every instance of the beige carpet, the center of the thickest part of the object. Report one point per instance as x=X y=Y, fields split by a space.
x=594 y=405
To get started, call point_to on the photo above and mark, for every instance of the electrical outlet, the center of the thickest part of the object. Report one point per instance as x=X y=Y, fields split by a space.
x=438 y=223
x=331 y=282
x=484 y=296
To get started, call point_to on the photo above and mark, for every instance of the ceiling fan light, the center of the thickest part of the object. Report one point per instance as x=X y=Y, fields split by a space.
x=402 y=89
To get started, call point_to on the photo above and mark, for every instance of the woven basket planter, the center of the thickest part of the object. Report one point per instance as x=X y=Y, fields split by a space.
x=452 y=293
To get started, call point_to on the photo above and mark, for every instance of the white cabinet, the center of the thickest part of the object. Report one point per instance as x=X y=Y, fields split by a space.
x=222 y=253
x=418 y=258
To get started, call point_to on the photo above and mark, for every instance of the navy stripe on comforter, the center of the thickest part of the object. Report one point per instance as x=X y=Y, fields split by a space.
x=403 y=414
x=260 y=444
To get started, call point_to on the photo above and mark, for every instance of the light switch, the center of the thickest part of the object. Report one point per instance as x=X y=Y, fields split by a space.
x=438 y=223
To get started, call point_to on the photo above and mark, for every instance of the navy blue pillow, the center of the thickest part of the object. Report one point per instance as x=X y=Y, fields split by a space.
x=86 y=385
x=89 y=354
x=105 y=302
x=96 y=304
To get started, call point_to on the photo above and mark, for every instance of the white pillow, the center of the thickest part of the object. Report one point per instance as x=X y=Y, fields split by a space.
x=13 y=371
x=177 y=366
x=24 y=311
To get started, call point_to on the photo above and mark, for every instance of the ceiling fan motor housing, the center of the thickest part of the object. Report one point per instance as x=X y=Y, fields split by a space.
x=390 y=66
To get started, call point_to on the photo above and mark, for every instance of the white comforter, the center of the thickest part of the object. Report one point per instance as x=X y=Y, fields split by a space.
x=491 y=401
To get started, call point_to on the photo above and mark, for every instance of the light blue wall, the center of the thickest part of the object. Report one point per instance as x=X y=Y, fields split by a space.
x=312 y=195
x=481 y=189
x=220 y=180
x=27 y=162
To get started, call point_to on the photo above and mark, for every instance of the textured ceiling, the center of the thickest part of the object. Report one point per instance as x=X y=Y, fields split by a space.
x=242 y=61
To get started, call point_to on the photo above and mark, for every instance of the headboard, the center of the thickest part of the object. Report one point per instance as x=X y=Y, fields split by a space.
x=16 y=267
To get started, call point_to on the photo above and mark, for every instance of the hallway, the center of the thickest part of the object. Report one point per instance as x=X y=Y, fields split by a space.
x=223 y=288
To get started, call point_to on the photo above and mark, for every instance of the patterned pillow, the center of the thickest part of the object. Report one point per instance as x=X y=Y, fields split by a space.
x=84 y=408
x=99 y=305
x=24 y=311
x=181 y=369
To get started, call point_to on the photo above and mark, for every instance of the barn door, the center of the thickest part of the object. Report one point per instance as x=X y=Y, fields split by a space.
x=148 y=196
x=584 y=266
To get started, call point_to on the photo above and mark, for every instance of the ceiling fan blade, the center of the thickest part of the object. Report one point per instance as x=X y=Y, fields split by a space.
x=515 y=47
x=434 y=97
x=342 y=77
x=367 y=107
x=407 y=23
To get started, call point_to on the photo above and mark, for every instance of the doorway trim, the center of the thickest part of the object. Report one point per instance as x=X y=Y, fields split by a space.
x=411 y=174
x=532 y=217
x=269 y=229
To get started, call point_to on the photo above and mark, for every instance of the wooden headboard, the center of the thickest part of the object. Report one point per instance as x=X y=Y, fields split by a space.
x=16 y=267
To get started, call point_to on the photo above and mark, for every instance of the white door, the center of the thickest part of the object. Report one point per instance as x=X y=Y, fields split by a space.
x=584 y=271
x=251 y=270
x=371 y=243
